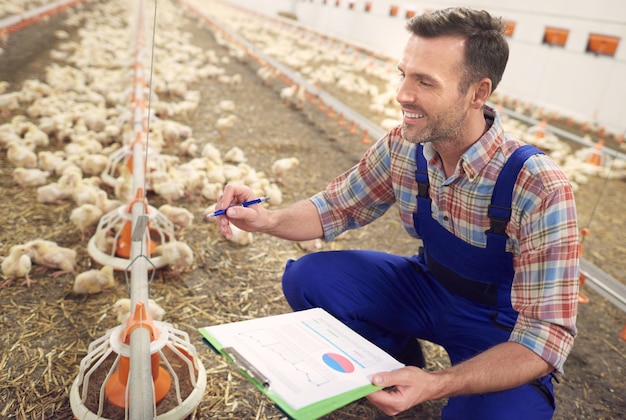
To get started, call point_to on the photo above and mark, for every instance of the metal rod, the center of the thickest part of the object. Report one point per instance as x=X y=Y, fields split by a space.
x=140 y=384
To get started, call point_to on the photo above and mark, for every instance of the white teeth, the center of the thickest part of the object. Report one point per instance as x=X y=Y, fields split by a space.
x=411 y=115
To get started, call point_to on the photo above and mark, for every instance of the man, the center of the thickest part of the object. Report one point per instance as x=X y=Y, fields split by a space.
x=496 y=280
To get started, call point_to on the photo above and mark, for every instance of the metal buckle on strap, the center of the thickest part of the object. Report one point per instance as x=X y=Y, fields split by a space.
x=499 y=217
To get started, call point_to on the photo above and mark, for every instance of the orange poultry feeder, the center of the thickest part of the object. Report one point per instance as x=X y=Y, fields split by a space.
x=582 y=298
x=121 y=161
x=115 y=389
x=101 y=389
x=124 y=242
x=111 y=243
x=595 y=157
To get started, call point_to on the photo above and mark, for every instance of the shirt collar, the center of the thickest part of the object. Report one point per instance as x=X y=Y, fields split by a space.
x=480 y=153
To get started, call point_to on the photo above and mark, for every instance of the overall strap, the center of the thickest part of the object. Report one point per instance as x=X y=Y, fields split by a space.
x=421 y=172
x=502 y=196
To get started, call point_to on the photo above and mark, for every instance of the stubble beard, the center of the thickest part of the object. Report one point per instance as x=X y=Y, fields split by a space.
x=440 y=128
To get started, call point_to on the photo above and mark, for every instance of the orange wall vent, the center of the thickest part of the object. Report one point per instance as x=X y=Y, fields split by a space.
x=410 y=13
x=393 y=11
x=602 y=44
x=368 y=6
x=555 y=36
x=510 y=28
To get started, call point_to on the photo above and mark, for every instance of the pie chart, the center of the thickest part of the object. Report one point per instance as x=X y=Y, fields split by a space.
x=338 y=362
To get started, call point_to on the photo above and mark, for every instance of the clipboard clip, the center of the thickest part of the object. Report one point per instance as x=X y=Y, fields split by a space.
x=243 y=364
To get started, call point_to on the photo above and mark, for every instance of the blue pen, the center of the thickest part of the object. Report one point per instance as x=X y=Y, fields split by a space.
x=246 y=204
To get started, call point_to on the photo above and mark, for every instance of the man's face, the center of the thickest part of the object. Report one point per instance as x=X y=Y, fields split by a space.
x=430 y=72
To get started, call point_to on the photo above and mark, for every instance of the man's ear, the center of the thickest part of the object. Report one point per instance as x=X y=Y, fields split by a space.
x=481 y=92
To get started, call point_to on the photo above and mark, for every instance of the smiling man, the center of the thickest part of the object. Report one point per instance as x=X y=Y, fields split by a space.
x=494 y=279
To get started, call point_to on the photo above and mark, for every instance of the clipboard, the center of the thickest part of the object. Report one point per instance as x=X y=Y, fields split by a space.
x=307 y=362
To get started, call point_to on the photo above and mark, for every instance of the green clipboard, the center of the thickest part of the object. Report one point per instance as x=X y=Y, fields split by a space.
x=313 y=410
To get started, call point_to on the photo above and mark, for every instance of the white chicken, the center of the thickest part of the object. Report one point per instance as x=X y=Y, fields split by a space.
x=235 y=155
x=34 y=135
x=105 y=241
x=85 y=191
x=104 y=203
x=188 y=147
x=51 y=193
x=212 y=190
x=21 y=156
x=85 y=217
x=94 y=281
x=30 y=177
x=171 y=190
x=178 y=255
x=48 y=161
x=240 y=237
x=212 y=153
x=121 y=308
x=49 y=254
x=274 y=191
x=179 y=216
x=227 y=105
x=281 y=167
x=94 y=164
x=17 y=265
x=123 y=187
x=225 y=123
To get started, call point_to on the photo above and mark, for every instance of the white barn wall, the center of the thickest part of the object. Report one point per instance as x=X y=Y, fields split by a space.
x=564 y=79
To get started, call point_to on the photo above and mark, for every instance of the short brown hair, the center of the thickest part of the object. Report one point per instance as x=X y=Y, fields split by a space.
x=487 y=50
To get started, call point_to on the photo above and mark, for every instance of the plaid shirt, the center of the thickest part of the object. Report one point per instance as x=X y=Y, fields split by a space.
x=543 y=232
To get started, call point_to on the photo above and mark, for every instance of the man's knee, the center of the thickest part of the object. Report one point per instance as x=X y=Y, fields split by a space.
x=296 y=277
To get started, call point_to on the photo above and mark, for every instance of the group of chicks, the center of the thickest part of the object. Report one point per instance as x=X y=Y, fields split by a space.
x=48 y=254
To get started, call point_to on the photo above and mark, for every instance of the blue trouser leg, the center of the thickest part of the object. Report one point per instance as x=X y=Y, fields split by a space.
x=387 y=299
x=369 y=291
x=532 y=401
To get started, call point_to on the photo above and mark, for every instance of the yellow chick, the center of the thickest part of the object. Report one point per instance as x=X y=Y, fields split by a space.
x=227 y=105
x=85 y=217
x=212 y=153
x=21 y=156
x=17 y=265
x=105 y=241
x=49 y=254
x=171 y=190
x=240 y=237
x=51 y=193
x=94 y=281
x=179 y=216
x=178 y=255
x=105 y=203
x=235 y=155
x=30 y=177
x=121 y=308
x=225 y=123
x=283 y=166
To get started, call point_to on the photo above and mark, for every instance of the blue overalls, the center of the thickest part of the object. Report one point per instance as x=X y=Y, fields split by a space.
x=451 y=293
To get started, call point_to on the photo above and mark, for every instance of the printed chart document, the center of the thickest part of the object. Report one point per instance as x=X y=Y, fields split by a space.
x=307 y=362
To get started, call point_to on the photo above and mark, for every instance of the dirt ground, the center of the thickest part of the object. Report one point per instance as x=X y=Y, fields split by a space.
x=47 y=328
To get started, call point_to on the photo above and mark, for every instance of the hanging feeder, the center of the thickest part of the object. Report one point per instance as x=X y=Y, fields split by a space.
x=100 y=391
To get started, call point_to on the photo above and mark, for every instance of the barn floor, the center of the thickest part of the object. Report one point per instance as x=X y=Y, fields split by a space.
x=47 y=328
